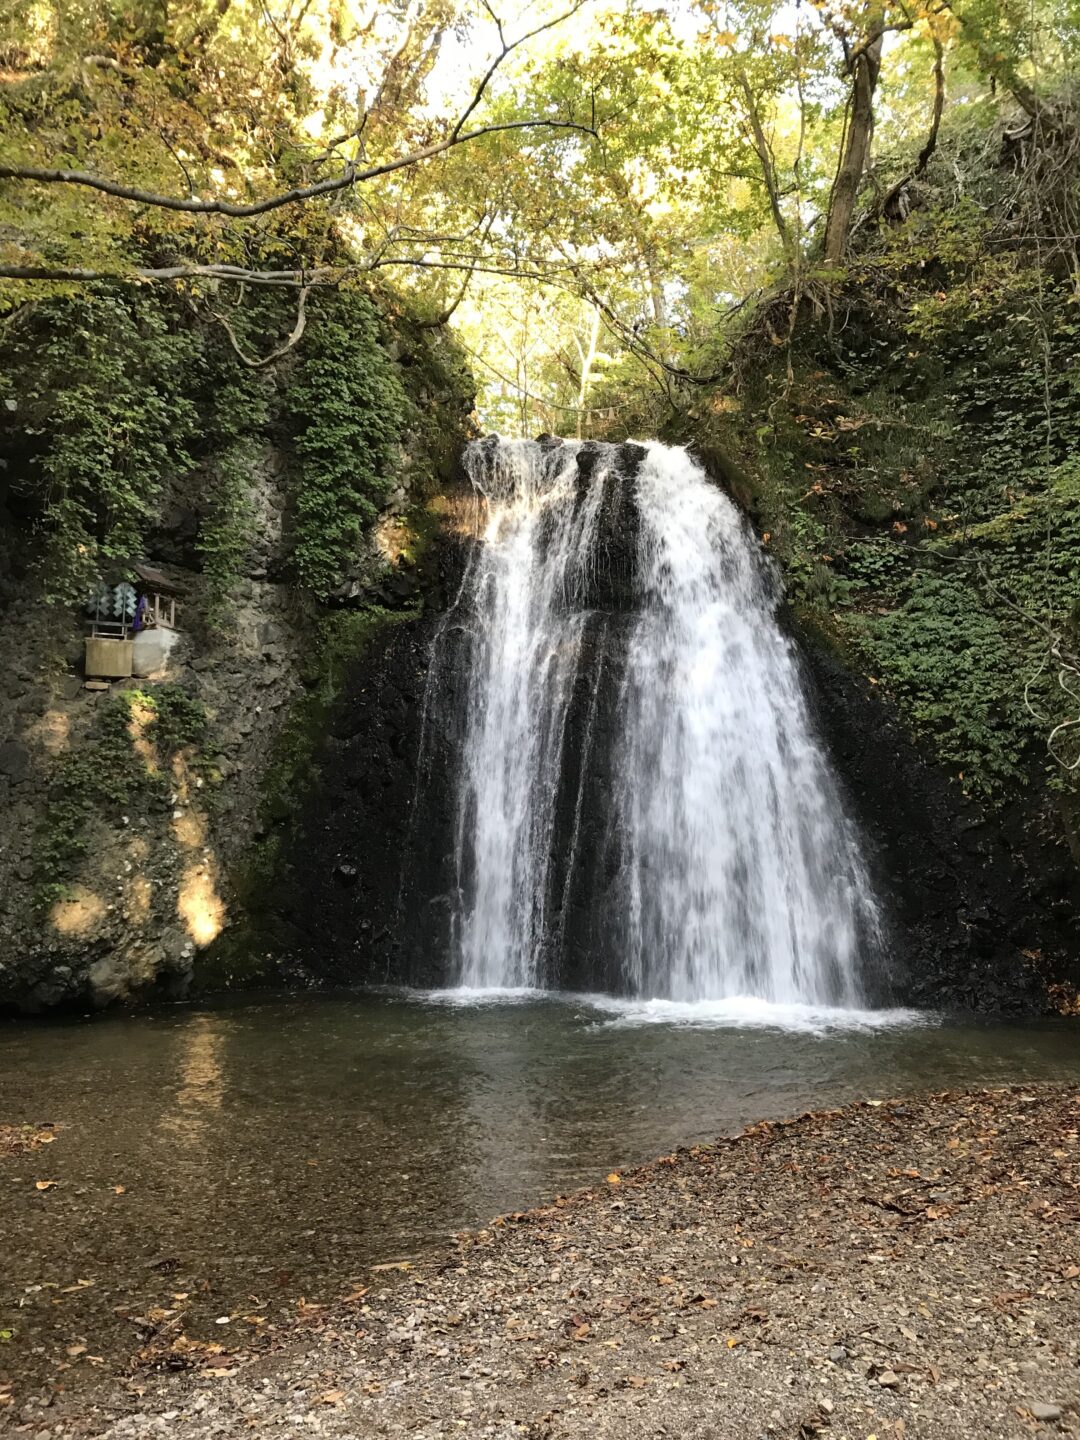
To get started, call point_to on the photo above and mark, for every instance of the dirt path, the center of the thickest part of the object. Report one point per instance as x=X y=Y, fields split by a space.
x=901 y=1269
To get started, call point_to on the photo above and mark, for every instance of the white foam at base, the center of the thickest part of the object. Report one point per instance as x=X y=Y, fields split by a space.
x=482 y=995
x=739 y=1012
x=749 y=1011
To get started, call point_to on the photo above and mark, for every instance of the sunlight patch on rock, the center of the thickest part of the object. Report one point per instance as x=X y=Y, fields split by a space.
x=78 y=914
x=199 y=905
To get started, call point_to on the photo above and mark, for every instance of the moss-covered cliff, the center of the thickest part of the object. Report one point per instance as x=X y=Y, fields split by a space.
x=285 y=508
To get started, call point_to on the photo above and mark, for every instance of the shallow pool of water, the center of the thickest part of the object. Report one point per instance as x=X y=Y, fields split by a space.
x=249 y=1156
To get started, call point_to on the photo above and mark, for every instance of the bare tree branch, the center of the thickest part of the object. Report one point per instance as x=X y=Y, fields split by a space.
x=1068 y=680
x=294 y=338
x=515 y=272
x=526 y=394
x=351 y=175
x=627 y=335
x=506 y=48
x=295 y=279
x=369 y=109
x=446 y=314
x=176 y=156
x=851 y=57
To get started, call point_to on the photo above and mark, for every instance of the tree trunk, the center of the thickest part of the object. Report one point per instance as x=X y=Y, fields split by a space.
x=588 y=360
x=864 y=77
x=768 y=170
x=894 y=205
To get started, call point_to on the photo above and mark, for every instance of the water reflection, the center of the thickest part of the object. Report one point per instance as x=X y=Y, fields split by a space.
x=201 y=1090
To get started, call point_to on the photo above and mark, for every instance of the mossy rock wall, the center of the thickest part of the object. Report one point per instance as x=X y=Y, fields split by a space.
x=130 y=846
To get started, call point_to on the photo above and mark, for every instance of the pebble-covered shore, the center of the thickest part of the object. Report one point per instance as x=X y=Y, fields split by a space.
x=908 y=1268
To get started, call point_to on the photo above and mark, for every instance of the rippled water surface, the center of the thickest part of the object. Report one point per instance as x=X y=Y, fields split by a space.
x=277 y=1150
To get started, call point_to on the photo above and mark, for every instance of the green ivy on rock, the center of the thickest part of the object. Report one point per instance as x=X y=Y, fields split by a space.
x=238 y=403
x=347 y=406
x=96 y=409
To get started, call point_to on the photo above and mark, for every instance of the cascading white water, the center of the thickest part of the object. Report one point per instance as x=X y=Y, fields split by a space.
x=731 y=868
x=537 y=547
x=743 y=875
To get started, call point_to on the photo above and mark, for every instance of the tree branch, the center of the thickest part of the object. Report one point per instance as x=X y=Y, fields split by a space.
x=351 y=175
x=446 y=314
x=527 y=394
x=923 y=158
x=768 y=166
x=506 y=48
x=294 y=338
x=295 y=279
x=407 y=31
x=633 y=342
x=855 y=146
x=851 y=57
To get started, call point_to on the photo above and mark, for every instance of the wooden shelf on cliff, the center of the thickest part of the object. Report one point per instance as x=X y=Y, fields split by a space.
x=122 y=621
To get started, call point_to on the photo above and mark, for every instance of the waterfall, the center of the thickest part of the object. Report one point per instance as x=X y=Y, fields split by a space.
x=527 y=587
x=642 y=802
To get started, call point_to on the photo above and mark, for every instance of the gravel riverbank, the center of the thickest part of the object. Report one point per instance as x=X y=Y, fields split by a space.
x=907 y=1268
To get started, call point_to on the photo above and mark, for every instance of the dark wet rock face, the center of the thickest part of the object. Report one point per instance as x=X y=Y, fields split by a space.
x=983 y=909
x=339 y=899
x=612 y=576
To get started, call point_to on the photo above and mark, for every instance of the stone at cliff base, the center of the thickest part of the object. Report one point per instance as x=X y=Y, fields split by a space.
x=1041 y=1411
x=14 y=760
x=150 y=651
